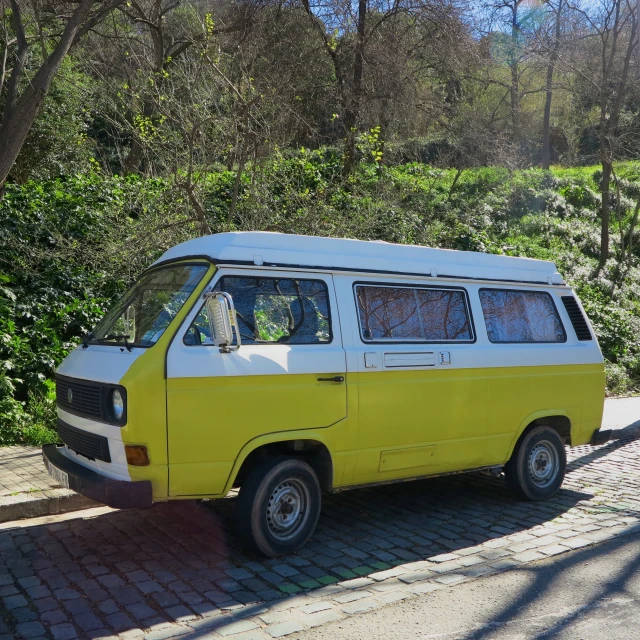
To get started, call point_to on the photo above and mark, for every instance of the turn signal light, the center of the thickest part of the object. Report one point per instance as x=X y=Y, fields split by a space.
x=137 y=455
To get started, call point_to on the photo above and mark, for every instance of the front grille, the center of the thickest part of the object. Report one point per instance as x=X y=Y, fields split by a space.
x=87 y=444
x=80 y=397
x=578 y=320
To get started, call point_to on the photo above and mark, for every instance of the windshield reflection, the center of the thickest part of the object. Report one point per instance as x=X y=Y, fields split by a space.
x=144 y=313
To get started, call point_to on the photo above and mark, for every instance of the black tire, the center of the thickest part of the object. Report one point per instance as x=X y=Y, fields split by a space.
x=268 y=492
x=536 y=469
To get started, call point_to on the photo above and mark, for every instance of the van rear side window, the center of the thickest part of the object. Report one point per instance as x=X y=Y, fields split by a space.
x=521 y=316
x=413 y=314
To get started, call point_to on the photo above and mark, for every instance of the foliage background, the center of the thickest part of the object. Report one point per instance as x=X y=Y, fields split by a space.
x=70 y=246
x=396 y=120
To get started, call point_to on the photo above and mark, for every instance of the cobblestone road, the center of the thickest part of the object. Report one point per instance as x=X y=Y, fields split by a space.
x=177 y=569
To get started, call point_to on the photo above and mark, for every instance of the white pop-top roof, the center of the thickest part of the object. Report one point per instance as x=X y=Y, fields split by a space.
x=287 y=250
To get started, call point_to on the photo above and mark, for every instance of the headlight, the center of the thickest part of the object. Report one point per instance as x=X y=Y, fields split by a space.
x=117 y=405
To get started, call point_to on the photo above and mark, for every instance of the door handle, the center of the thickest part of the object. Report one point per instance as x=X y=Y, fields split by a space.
x=409 y=359
x=334 y=379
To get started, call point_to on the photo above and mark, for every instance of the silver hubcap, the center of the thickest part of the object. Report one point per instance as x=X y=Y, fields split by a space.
x=543 y=464
x=287 y=509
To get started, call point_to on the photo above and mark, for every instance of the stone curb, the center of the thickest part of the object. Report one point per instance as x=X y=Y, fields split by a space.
x=42 y=503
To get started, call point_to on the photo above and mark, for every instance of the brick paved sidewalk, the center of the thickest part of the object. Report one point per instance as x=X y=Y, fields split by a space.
x=27 y=490
x=21 y=470
x=178 y=569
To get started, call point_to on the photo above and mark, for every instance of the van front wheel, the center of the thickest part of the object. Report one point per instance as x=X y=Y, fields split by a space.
x=278 y=506
x=536 y=469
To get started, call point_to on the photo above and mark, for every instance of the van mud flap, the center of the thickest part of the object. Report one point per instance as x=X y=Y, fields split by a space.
x=600 y=437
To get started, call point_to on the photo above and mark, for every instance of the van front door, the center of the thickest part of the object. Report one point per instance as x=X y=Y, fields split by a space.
x=421 y=403
x=289 y=374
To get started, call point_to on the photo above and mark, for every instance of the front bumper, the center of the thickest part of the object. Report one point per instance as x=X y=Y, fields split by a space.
x=119 y=494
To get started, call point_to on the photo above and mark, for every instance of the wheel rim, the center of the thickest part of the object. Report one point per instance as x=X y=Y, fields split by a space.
x=287 y=509
x=543 y=464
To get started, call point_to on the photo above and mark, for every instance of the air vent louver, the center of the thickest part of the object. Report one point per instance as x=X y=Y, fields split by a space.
x=89 y=445
x=81 y=397
x=578 y=320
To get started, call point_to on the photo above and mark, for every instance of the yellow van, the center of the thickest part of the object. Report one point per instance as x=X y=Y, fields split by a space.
x=290 y=365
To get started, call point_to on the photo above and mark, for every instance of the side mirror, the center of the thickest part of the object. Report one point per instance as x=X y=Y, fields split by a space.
x=222 y=321
x=129 y=320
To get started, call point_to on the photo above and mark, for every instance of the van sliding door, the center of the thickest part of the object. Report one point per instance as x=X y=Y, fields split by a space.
x=421 y=402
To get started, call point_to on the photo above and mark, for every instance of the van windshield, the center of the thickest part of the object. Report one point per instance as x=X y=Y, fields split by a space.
x=143 y=314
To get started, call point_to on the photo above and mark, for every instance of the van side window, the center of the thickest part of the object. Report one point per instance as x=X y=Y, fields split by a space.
x=521 y=316
x=413 y=314
x=271 y=310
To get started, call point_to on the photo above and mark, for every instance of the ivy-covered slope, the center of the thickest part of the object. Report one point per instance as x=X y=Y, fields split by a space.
x=69 y=247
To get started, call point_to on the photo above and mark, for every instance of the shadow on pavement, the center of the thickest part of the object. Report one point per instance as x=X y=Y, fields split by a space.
x=545 y=579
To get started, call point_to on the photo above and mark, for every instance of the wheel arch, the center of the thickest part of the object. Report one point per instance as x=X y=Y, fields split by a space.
x=558 y=419
x=306 y=445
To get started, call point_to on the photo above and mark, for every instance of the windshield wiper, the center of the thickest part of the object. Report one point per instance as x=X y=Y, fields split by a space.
x=116 y=336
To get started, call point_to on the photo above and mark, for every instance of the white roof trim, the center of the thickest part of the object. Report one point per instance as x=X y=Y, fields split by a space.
x=281 y=249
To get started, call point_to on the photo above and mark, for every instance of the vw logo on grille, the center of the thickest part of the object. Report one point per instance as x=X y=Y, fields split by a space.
x=69 y=396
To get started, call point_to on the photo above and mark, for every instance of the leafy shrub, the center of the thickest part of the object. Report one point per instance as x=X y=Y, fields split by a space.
x=618 y=382
x=581 y=196
x=31 y=425
x=70 y=246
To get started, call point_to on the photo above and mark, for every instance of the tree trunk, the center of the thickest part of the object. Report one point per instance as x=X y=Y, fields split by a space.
x=385 y=122
x=19 y=62
x=632 y=227
x=153 y=22
x=607 y=169
x=134 y=157
x=455 y=182
x=16 y=126
x=546 y=124
x=515 y=72
x=515 y=99
x=610 y=114
x=242 y=159
x=352 y=112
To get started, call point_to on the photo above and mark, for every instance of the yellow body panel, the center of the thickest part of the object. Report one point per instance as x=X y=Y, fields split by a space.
x=522 y=394
x=212 y=419
x=419 y=409
x=401 y=424
x=459 y=420
x=413 y=423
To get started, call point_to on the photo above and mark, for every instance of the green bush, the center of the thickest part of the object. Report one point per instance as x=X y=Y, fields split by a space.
x=618 y=382
x=33 y=424
x=70 y=246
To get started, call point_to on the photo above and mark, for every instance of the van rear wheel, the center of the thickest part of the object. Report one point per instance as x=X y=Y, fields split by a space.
x=537 y=467
x=278 y=506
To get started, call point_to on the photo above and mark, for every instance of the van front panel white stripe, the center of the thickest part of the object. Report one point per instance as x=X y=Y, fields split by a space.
x=100 y=363
x=117 y=468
